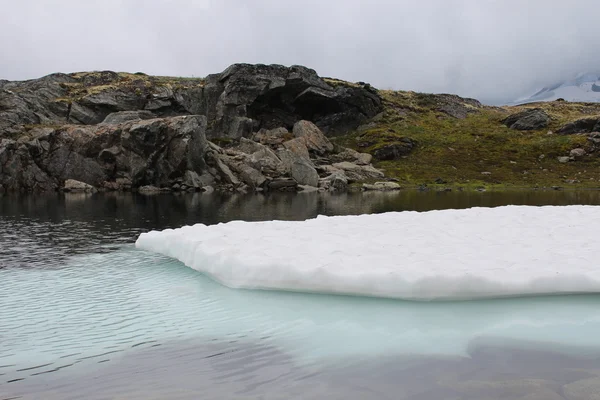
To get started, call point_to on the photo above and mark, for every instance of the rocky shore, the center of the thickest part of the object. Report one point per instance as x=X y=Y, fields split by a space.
x=250 y=128
x=276 y=128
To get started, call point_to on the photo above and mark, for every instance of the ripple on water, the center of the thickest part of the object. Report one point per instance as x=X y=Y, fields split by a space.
x=85 y=315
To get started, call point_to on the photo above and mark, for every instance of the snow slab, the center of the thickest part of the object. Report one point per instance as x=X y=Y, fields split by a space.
x=436 y=255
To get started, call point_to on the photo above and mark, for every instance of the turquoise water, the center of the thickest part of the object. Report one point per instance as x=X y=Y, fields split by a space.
x=86 y=315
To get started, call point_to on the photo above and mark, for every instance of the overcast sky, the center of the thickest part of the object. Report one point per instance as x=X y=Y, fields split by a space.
x=493 y=50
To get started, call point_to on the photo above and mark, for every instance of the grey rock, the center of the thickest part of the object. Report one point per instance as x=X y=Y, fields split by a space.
x=527 y=120
x=272 y=137
x=126 y=116
x=247 y=174
x=313 y=138
x=225 y=172
x=359 y=172
x=192 y=179
x=283 y=184
x=353 y=156
x=583 y=125
x=71 y=185
x=304 y=173
x=395 y=150
x=577 y=154
x=381 y=186
x=298 y=148
x=151 y=152
x=19 y=171
x=273 y=96
x=149 y=189
x=564 y=160
x=336 y=182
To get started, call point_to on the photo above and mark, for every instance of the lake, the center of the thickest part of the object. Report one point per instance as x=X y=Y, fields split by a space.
x=84 y=314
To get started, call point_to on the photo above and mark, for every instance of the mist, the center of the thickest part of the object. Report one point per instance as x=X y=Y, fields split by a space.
x=495 y=51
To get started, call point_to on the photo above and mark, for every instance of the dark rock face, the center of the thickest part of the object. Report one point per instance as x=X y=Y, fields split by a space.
x=584 y=125
x=151 y=152
x=395 y=150
x=528 y=120
x=237 y=102
x=122 y=131
x=246 y=98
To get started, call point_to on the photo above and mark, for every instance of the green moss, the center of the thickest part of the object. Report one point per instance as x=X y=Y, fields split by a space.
x=223 y=141
x=90 y=83
x=477 y=151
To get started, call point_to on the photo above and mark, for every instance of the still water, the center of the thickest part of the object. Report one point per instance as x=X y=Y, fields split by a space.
x=84 y=315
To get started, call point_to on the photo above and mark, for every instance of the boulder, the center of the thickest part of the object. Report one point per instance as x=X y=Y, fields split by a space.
x=262 y=158
x=149 y=189
x=313 y=138
x=247 y=174
x=304 y=173
x=531 y=119
x=583 y=125
x=298 y=148
x=359 y=172
x=71 y=185
x=336 y=182
x=577 y=154
x=352 y=156
x=224 y=171
x=381 y=186
x=395 y=150
x=283 y=184
x=272 y=137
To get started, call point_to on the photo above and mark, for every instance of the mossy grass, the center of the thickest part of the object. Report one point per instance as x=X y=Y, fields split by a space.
x=477 y=151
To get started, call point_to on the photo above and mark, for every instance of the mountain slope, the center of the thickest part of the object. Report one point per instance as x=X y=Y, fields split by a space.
x=584 y=88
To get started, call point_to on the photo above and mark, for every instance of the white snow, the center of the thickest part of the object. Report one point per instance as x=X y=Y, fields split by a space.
x=449 y=254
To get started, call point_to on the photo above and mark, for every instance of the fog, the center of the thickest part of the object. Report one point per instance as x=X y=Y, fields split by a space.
x=493 y=50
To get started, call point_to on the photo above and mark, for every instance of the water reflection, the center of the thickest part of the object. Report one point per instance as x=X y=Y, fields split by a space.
x=84 y=315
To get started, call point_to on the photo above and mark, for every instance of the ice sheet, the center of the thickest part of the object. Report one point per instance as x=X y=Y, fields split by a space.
x=449 y=254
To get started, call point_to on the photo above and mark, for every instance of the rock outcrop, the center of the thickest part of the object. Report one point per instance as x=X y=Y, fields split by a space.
x=157 y=152
x=583 y=125
x=118 y=131
x=528 y=120
x=121 y=131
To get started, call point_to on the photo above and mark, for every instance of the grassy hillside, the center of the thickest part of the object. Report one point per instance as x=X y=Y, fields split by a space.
x=477 y=150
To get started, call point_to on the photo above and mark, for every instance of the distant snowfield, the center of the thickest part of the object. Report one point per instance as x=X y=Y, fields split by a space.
x=585 y=88
x=437 y=255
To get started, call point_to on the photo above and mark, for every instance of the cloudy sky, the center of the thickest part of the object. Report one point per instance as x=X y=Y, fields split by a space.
x=494 y=50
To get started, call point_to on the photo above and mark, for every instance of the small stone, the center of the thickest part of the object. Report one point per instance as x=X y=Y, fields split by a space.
x=486 y=173
x=563 y=160
x=148 y=189
x=577 y=154
x=381 y=186
x=71 y=185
